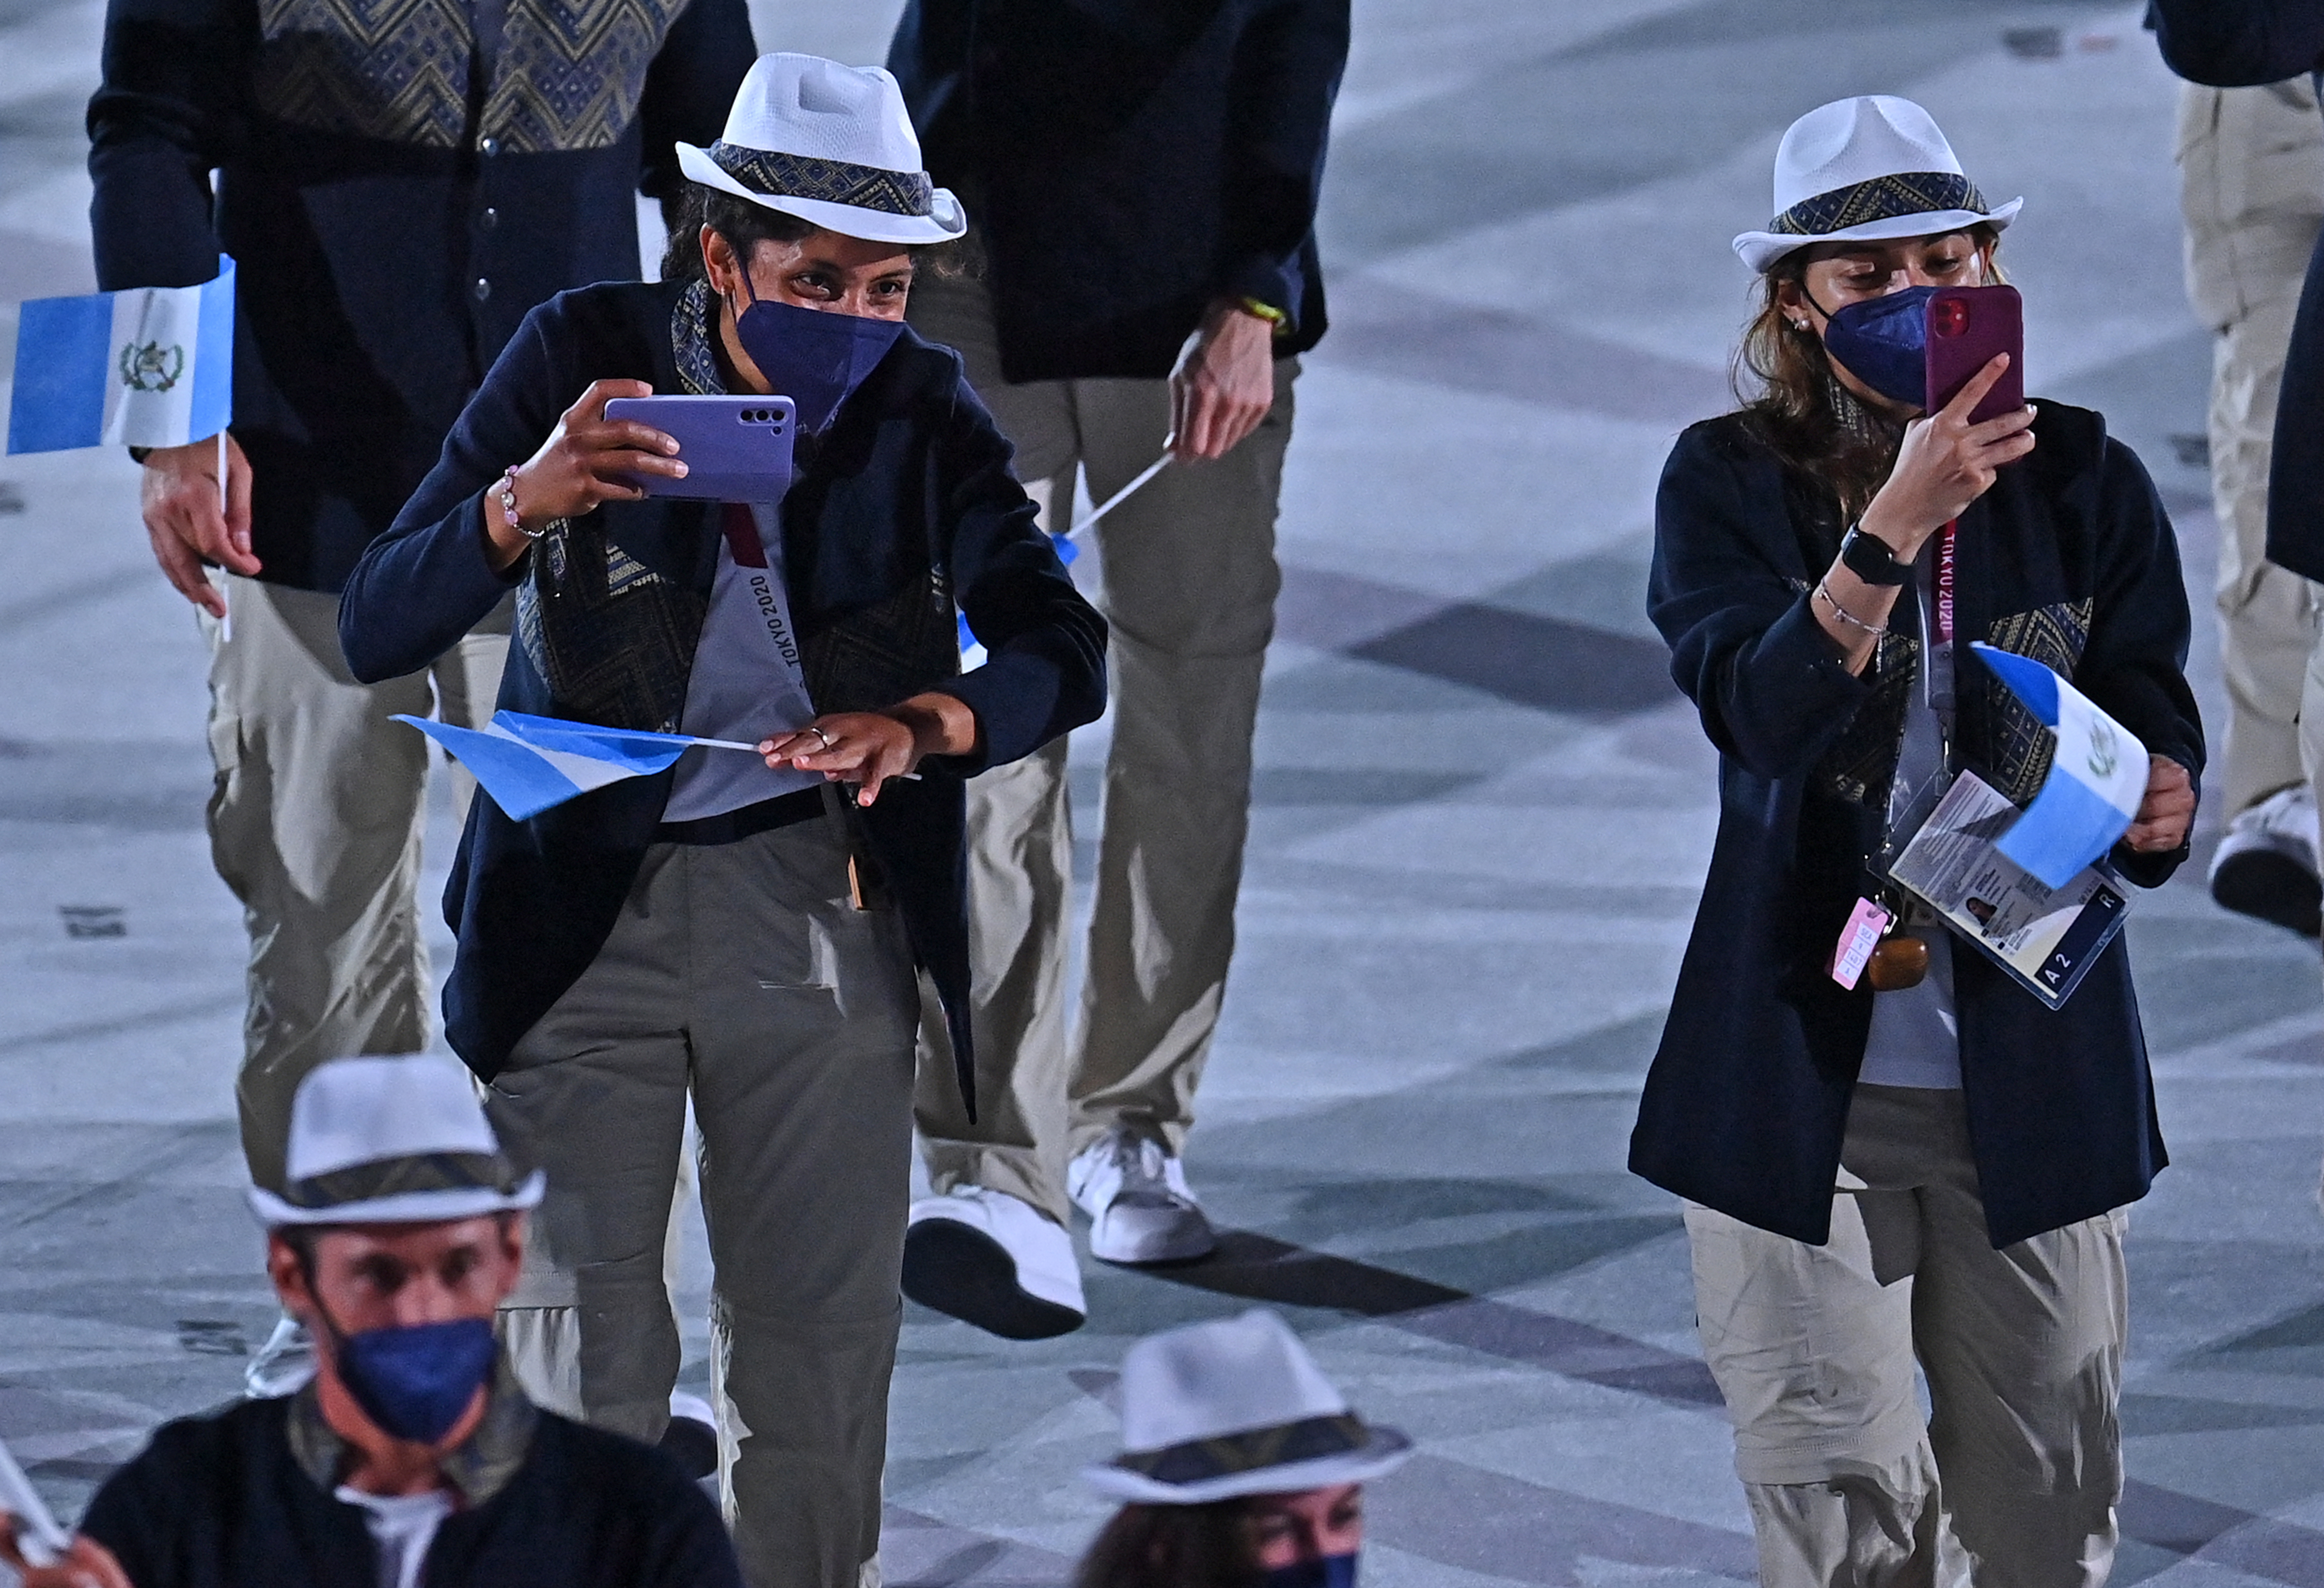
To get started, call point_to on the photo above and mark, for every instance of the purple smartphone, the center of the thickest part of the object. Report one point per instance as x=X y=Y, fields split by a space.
x=734 y=448
x=1967 y=327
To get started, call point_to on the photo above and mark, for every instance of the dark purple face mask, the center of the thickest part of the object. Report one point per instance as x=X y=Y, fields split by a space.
x=816 y=358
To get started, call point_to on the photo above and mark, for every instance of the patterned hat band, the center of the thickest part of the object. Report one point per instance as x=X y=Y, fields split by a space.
x=399 y=1176
x=1888 y=198
x=828 y=181
x=1232 y=1454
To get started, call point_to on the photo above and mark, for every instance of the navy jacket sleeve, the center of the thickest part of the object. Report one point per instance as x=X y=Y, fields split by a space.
x=689 y=87
x=2133 y=666
x=1044 y=671
x=1287 y=77
x=427 y=582
x=171 y=107
x=1727 y=594
x=2239 y=43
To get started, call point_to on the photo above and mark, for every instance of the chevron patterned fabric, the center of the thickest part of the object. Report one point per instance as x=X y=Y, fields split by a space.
x=831 y=181
x=2019 y=752
x=567 y=76
x=1912 y=192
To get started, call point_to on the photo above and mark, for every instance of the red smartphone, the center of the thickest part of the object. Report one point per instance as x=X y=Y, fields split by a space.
x=1967 y=327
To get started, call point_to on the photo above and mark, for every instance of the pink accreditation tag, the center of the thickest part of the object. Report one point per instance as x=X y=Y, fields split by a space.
x=1857 y=941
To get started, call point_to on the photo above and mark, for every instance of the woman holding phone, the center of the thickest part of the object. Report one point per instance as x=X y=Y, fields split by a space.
x=1930 y=1164
x=741 y=930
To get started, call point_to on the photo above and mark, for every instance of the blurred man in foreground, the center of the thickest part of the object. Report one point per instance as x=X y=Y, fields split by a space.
x=412 y=1455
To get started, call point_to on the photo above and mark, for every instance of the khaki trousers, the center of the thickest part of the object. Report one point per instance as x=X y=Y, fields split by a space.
x=1189 y=581
x=2015 y=1476
x=2251 y=165
x=742 y=975
x=315 y=822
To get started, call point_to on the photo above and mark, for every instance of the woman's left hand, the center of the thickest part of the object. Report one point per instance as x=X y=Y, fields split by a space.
x=2166 y=812
x=869 y=747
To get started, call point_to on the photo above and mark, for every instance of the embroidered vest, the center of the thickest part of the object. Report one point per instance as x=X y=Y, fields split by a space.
x=615 y=641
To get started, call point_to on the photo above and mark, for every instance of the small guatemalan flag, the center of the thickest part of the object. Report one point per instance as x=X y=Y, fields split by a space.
x=2096 y=782
x=146 y=366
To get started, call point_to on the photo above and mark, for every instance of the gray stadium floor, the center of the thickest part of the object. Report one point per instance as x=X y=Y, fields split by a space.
x=1481 y=820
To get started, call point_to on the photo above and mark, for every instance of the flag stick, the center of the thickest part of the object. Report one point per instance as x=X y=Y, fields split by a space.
x=226 y=623
x=753 y=749
x=42 y=1542
x=1122 y=495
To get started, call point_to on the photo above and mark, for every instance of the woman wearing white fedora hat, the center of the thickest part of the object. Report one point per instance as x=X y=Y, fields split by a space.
x=1242 y=1466
x=735 y=930
x=1926 y=1162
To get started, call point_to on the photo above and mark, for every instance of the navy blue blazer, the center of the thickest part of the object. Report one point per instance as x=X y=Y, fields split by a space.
x=1127 y=162
x=911 y=464
x=2069 y=558
x=397 y=201
x=2243 y=43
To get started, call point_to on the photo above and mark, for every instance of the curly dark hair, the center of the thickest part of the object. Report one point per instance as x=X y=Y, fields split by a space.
x=745 y=226
x=1174 y=1546
x=1782 y=379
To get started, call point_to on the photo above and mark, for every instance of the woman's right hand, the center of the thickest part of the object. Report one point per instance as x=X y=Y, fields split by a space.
x=584 y=463
x=1945 y=464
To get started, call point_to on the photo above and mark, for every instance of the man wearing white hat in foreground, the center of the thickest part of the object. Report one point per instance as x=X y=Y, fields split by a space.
x=412 y=1455
x=1241 y=1463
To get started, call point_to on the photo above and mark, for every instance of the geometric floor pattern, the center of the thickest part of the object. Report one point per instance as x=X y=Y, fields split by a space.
x=1481 y=817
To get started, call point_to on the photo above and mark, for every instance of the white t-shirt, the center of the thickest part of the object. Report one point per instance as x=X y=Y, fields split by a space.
x=403 y=1526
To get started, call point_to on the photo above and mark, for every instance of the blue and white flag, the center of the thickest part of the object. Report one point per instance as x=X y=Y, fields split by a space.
x=147 y=366
x=2097 y=777
x=530 y=763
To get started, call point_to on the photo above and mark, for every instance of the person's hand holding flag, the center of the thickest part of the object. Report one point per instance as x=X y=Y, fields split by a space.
x=84 y=1564
x=192 y=522
x=42 y=1553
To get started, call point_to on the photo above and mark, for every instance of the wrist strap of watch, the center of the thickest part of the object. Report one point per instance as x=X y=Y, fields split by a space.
x=1869 y=559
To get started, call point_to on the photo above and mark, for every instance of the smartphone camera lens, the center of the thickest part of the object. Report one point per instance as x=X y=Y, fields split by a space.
x=1948 y=317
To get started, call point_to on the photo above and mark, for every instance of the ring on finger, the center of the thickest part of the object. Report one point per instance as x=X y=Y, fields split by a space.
x=829 y=743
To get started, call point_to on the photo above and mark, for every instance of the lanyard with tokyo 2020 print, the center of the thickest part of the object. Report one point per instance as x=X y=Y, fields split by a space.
x=1937 y=631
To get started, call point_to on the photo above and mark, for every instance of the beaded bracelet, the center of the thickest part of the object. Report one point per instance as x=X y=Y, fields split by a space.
x=506 y=492
x=1876 y=631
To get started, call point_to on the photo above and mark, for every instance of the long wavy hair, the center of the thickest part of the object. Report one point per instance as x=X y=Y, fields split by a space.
x=1784 y=382
x=1174 y=1546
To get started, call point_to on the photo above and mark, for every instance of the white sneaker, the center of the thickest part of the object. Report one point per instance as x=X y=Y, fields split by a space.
x=989 y=1259
x=282 y=1365
x=2266 y=866
x=1134 y=1190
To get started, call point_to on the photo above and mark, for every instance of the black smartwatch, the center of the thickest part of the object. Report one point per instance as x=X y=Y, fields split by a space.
x=1869 y=557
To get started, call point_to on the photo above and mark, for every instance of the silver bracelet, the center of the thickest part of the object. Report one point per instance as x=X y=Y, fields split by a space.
x=505 y=491
x=1876 y=630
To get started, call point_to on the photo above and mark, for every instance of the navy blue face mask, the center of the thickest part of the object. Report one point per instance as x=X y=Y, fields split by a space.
x=415 y=1380
x=816 y=358
x=412 y=1380
x=1883 y=342
x=1330 y=1571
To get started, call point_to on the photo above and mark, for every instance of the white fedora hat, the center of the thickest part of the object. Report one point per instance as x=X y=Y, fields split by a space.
x=829 y=143
x=392 y=1142
x=1866 y=169
x=1236 y=1406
